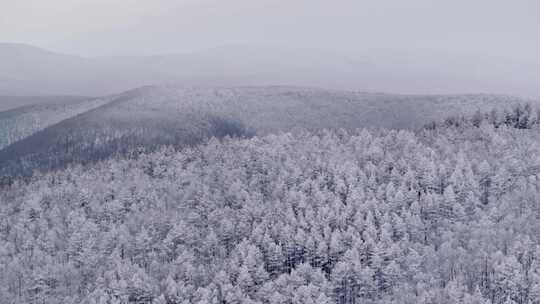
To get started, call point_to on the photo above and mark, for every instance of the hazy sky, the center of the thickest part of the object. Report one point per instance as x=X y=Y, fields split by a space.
x=509 y=28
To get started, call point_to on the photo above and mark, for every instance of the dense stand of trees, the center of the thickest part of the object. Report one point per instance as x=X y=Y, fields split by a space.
x=450 y=214
x=520 y=116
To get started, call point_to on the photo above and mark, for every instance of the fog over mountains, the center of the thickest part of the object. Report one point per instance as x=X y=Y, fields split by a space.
x=13 y=102
x=184 y=99
x=27 y=70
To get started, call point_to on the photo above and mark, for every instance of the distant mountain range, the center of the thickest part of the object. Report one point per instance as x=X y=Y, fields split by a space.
x=154 y=116
x=13 y=102
x=226 y=91
x=27 y=70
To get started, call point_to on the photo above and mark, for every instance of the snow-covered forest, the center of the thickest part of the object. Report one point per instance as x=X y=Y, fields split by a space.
x=269 y=152
x=170 y=115
x=446 y=214
x=22 y=122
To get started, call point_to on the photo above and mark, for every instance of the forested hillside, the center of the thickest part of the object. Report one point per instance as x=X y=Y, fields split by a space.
x=448 y=214
x=21 y=122
x=150 y=117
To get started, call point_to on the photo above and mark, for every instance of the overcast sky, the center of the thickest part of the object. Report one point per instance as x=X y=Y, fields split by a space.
x=113 y=27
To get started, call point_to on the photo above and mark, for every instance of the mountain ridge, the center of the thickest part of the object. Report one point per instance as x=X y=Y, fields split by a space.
x=430 y=73
x=153 y=116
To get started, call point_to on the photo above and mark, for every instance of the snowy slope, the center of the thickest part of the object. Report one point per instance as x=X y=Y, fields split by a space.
x=21 y=122
x=149 y=117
